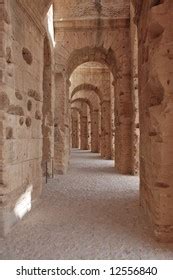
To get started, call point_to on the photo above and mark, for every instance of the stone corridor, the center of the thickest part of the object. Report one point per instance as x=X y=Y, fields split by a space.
x=89 y=213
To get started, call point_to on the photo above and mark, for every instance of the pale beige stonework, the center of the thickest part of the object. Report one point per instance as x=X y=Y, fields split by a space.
x=155 y=43
x=93 y=75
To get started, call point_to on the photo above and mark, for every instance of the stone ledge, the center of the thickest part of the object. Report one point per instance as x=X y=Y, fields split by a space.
x=112 y=24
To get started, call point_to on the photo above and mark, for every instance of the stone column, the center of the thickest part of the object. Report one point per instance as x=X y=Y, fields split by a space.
x=123 y=108
x=61 y=130
x=75 y=132
x=95 y=131
x=134 y=91
x=48 y=113
x=112 y=118
x=68 y=122
x=83 y=127
x=89 y=127
x=123 y=126
x=156 y=115
x=84 y=133
x=106 y=129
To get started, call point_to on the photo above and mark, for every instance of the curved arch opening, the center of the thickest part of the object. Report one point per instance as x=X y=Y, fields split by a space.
x=93 y=80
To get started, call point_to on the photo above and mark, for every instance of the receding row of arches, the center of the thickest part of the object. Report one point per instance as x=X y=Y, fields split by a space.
x=86 y=96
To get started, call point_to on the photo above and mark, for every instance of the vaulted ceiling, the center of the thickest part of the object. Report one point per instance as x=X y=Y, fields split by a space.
x=91 y=8
x=40 y=6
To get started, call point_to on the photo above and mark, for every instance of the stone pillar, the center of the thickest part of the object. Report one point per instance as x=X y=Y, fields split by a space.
x=106 y=129
x=100 y=129
x=68 y=143
x=123 y=126
x=112 y=117
x=84 y=133
x=134 y=91
x=61 y=126
x=89 y=127
x=95 y=131
x=83 y=127
x=48 y=113
x=123 y=108
x=75 y=132
x=156 y=115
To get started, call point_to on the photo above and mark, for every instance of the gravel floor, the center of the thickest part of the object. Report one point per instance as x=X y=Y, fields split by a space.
x=90 y=213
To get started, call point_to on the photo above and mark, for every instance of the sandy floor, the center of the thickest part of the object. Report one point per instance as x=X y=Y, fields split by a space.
x=90 y=213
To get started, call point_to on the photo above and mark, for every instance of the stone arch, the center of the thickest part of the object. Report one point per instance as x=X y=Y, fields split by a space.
x=106 y=57
x=77 y=109
x=97 y=54
x=85 y=100
x=95 y=121
x=87 y=87
x=92 y=98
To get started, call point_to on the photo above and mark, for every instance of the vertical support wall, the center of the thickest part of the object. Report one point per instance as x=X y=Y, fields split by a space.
x=47 y=111
x=123 y=108
x=84 y=127
x=4 y=102
x=112 y=117
x=106 y=129
x=95 y=131
x=75 y=129
x=155 y=34
x=134 y=92
x=89 y=127
x=21 y=101
x=61 y=126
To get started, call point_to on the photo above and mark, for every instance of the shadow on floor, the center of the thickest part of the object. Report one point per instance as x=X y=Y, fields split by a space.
x=118 y=216
x=88 y=210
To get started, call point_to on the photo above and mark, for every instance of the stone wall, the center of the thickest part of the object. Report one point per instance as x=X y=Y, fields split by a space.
x=134 y=92
x=75 y=128
x=48 y=112
x=21 y=111
x=89 y=127
x=61 y=125
x=156 y=112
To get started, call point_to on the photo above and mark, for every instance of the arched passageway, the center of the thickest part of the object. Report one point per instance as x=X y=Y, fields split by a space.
x=94 y=121
x=95 y=76
x=96 y=80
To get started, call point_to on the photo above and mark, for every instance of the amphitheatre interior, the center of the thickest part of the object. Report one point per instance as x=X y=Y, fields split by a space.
x=86 y=108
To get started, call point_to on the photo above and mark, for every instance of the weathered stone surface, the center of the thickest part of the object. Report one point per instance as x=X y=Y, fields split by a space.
x=27 y=56
x=29 y=105
x=155 y=90
x=4 y=101
x=38 y=115
x=18 y=95
x=28 y=121
x=9 y=132
x=104 y=83
x=15 y=110
x=8 y=55
x=75 y=128
x=34 y=94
